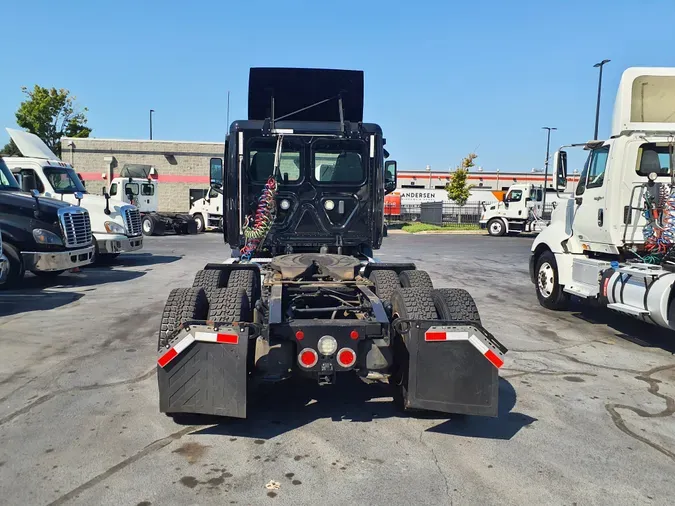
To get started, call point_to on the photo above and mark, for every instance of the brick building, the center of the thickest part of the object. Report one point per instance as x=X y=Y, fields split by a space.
x=183 y=168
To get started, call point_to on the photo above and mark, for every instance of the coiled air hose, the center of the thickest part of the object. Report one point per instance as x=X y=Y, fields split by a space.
x=258 y=224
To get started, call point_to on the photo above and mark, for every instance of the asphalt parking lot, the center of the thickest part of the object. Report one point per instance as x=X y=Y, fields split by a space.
x=586 y=401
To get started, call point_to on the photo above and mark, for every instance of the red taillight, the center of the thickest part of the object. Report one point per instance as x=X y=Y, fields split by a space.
x=346 y=357
x=354 y=335
x=308 y=358
x=227 y=338
x=299 y=335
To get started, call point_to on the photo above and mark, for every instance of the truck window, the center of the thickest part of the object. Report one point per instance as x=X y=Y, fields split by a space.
x=338 y=161
x=147 y=189
x=593 y=175
x=113 y=189
x=261 y=159
x=64 y=180
x=654 y=158
x=35 y=182
x=514 y=196
x=7 y=181
x=131 y=188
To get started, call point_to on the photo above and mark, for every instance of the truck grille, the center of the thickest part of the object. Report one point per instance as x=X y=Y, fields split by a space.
x=76 y=226
x=132 y=219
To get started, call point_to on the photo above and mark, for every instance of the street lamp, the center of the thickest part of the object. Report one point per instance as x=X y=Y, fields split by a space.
x=429 y=171
x=548 y=146
x=597 y=107
x=151 y=111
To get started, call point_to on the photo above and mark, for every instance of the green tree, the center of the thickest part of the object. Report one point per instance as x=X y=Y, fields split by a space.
x=51 y=114
x=458 y=189
x=10 y=149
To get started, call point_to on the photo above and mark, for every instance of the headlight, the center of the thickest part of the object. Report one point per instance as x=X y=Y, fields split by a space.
x=114 y=228
x=329 y=205
x=46 y=237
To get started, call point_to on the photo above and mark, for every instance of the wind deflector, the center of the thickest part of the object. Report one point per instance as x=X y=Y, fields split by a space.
x=296 y=88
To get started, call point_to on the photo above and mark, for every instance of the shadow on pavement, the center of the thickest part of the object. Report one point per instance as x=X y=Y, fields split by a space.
x=88 y=277
x=637 y=332
x=134 y=260
x=504 y=426
x=283 y=407
x=15 y=302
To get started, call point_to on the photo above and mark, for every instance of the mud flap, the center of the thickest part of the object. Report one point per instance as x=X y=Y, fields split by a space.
x=203 y=374
x=452 y=368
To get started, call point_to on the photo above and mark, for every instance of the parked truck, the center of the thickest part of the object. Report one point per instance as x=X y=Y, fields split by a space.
x=520 y=210
x=613 y=242
x=304 y=180
x=116 y=226
x=208 y=212
x=41 y=235
x=138 y=185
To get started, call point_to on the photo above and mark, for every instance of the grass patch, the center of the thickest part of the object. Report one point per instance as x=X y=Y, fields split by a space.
x=425 y=227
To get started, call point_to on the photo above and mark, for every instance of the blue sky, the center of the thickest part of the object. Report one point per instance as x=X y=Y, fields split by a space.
x=441 y=78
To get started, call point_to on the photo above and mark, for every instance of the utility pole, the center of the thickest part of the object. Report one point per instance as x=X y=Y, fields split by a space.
x=548 y=147
x=227 y=126
x=151 y=111
x=597 y=107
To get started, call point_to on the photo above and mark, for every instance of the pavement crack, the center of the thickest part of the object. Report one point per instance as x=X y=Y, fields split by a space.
x=599 y=366
x=85 y=388
x=153 y=447
x=544 y=372
x=438 y=466
x=653 y=389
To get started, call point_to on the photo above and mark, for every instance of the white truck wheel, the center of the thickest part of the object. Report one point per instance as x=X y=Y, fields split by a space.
x=549 y=291
x=496 y=227
x=199 y=220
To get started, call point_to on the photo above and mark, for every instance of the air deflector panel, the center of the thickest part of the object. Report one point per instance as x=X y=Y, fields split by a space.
x=296 y=88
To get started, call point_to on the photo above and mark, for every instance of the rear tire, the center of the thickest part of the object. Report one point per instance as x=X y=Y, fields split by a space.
x=496 y=227
x=183 y=304
x=385 y=283
x=244 y=278
x=455 y=304
x=549 y=290
x=229 y=305
x=416 y=279
x=16 y=269
x=409 y=304
x=210 y=280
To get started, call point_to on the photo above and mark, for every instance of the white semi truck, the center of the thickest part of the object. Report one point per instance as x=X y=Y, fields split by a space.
x=116 y=226
x=613 y=242
x=208 y=211
x=138 y=185
x=521 y=210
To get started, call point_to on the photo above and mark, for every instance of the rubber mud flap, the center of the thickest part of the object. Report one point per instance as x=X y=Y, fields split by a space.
x=450 y=376
x=207 y=378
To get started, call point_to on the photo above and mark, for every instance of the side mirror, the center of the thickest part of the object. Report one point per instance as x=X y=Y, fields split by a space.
x=390 y=174
x=81 y=180
x=560 y=169
x=216 y=174
x=78 y=196
x=107 y=202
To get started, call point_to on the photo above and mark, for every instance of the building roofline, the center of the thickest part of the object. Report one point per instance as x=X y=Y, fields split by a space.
x=141 y=140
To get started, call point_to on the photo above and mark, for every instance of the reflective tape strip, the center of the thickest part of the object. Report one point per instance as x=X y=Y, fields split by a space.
x=175 y=350
x=439 y=334
x=220 y=337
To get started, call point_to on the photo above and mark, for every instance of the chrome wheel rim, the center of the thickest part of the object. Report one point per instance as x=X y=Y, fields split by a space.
x=545 y=279
x=495 y=227
x=146 y=226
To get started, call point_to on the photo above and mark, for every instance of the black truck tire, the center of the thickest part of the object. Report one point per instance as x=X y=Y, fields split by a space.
x=16 y=269
x=549 y=291
x=148 y=224
x=244 y=278
x=210 y=280
x=496 y=227
x=412 y=304
x=416 y=279
x=385 y=283
x=199 y=220
x=229 y=305
x=455 y=304
x=183 y=304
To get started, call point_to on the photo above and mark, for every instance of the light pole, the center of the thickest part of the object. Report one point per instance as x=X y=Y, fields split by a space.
x=548 y=147
x=597 y=107
x=151 y=111
x=429 y=171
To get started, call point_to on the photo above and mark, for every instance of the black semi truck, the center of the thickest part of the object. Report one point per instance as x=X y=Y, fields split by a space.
x=303 y=181
x=41 y=235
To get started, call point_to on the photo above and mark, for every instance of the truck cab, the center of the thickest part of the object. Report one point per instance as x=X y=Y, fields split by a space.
x=612 y=242
x=208 y=211
x=116 y=226
x=520 y=210
x=39 y=234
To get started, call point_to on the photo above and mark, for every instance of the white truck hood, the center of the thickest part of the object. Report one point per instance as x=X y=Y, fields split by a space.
x=30 y=145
